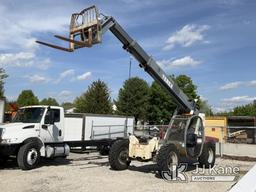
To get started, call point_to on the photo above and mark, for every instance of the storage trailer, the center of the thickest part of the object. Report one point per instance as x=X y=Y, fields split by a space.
x=45 y=131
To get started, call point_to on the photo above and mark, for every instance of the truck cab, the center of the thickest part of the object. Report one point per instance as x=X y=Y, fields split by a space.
x=43 y=122
x=45 y=131
x=31 y=132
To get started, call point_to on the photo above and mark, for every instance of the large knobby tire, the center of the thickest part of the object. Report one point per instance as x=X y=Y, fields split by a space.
x=29 y=156
x=168 y=156
x=104 y=150
x=119 y=155
x=207 y=158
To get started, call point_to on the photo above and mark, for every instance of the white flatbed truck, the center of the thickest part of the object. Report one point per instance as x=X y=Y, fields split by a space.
x=46 y=131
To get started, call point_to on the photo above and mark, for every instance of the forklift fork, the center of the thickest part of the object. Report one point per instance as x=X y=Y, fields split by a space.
x=85 y=30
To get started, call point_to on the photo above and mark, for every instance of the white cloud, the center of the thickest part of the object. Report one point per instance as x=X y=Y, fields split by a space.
x=203 y=98
x=237 y=84
x=227 y=104
x=20 y=25
x=252 y=83
x=84 y=76
x=219 y=109
x=231 y=85
x=65 y=93
x=181 y=62
x=21 y=59
x=238 y=100
x=65 y=74
x=44 y=64
x=37 y=79
x=24 y=59
x=187 y=36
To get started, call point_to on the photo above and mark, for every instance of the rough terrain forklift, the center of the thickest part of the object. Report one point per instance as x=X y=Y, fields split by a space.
x=185 y=137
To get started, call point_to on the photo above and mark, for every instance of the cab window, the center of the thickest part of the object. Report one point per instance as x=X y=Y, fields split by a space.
x=56 y=114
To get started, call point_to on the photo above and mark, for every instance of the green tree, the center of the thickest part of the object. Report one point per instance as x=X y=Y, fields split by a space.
x=133 y=99
x=205 y=108
x=224 y=113
x=67 y=105
x=26 y=98
x=95 y=100
x=245 y=110
x=162 y=104
x=3 y=75
x=187 y=86
x=49 y=101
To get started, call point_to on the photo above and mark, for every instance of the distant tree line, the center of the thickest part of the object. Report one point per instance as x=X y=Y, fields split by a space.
x=136 y=98
x=147 y=103
x=244 y=110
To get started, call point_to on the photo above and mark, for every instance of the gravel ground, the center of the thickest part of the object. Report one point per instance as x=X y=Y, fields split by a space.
x=91 y=172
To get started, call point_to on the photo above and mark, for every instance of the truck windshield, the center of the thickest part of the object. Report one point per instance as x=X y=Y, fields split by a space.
x=29 y=115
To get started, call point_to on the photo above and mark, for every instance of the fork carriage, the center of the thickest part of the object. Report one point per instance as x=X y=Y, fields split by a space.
x=85 y=30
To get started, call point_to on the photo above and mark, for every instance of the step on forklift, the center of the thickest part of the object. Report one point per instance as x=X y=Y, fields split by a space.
x=185 y=136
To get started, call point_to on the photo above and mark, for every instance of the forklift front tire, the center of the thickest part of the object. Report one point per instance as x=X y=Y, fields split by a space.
x=207 y=158
x=167 y=159
x=119 y=155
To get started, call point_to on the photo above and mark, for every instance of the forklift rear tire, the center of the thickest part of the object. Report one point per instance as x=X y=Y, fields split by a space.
x=168 y=156
x=119 y=155
x=29 y=156
x=207 y=158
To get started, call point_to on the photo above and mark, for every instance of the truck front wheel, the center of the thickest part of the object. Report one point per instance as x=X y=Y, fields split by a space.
x=28 y=156
x=119 y=155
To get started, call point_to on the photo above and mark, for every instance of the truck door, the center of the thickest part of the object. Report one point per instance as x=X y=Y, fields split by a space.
x=51 y=130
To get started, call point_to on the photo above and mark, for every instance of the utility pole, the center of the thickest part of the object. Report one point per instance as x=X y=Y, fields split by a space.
x=130 y=67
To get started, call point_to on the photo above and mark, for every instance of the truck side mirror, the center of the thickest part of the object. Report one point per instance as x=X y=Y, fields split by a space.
x=49 y=118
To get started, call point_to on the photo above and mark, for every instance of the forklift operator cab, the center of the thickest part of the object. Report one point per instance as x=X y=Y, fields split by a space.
x=187 y=134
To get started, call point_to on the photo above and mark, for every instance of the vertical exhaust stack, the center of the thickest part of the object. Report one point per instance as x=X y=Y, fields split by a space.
x=85 y=30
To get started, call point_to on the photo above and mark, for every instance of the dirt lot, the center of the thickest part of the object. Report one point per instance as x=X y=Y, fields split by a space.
x=90 y=172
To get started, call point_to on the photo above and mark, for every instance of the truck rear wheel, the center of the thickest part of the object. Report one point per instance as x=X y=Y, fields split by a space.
x=28 y=156
x=207 y=158
x=119 y=155
x=104 y=150
x=167 y=158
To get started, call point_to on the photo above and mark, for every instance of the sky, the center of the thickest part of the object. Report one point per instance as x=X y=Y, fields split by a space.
x=213 y=42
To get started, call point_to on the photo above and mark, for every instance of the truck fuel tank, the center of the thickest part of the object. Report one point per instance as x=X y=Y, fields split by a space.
x=60 y=150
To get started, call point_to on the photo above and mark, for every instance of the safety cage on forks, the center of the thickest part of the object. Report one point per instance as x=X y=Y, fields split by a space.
x=85 y=30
